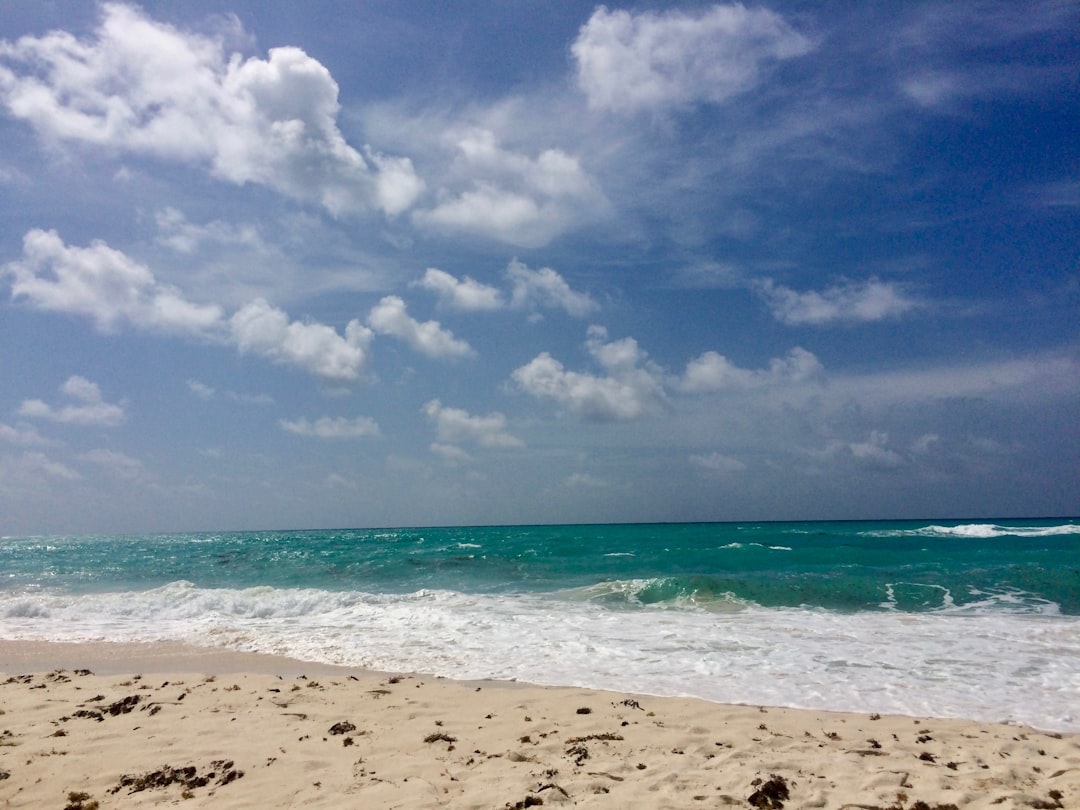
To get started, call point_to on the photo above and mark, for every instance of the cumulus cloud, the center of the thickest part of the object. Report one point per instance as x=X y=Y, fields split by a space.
x=628 y=62
x=328 y=427
x=585 y=481
x=33 y=467
x=450 y=453
x=468 y=295
x=183 y=236
x=114 y=463
x=511 y=197
x=146 y=87
x=634 y=386
x=104 y=284
x=851 y=302
x=315 y=347
x=455 y=426
x=874 y=453
x=89 y=408
x=390 y=317
x=201 y=390
x=718 y=462
x=24 y=435
x=529 y=289
x=112 y=289
x=631 y=388
x=545 y=287
x=713 y=372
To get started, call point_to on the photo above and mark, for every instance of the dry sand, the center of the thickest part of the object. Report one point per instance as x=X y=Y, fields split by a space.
x=199 y=728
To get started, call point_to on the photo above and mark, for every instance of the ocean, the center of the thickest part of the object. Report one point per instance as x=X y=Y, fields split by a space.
x=979 y=620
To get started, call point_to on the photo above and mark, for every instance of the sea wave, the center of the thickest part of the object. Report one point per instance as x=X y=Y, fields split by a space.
x=737 y=545
x=978 y=531
x=657 y=592
x=1004 y=666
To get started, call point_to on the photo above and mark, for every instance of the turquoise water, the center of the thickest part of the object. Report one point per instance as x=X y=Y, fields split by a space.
x=979 y=619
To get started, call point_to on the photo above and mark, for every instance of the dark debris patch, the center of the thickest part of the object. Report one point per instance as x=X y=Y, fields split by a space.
x=607 y=736
x=770 y=795
x=344 y=727
x=188 y=777
x=528 y=801
x=78 y=800
x=578 y=753
x=122 y=706
x=918 y=804
x=439 y=737
x=1054 y=803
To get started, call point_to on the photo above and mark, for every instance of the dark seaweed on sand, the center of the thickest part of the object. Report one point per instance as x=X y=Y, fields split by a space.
x=770 y=795
x=187 y=777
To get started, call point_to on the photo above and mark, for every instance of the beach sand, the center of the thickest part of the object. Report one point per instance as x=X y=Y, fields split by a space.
x=166 y=725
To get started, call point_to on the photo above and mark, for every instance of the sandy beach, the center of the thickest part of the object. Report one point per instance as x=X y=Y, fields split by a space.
x=99 y=726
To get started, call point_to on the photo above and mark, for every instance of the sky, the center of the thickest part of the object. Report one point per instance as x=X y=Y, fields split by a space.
x=401 y=262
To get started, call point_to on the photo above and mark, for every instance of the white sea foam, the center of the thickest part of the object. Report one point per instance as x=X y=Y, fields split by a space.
x=979 y=531
x=992 y=666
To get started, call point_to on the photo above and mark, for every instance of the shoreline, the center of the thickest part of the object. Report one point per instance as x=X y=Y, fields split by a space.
x=155 y=724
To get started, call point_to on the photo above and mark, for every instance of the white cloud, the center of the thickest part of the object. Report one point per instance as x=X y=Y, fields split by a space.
x=112 y=289
x=115 y=463
x=1034 y=378
x=390 y=317
x=104 y=284
x=24 y=435
x=328 y=427
x=851 y=302
x=545 y=287
x=631 y=389
x=455 y=425
x=469 y=295
x=925 y=443
x=450 y=453
x=718 y=462
x=176 y=232
x=628 y=61
x=33 y=466
x=874 y=453
x=337 y=480
x=713 y=372
x=584 y=480
x=529 y=289
x=315 y=347
x=201 y=390
x=206 y=393
x=871 y=454
x=512 y=197
x=150 y=88
x=249 y=399
x=91 y=409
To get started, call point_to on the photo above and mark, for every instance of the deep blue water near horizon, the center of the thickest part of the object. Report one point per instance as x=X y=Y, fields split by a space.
x=964 y=618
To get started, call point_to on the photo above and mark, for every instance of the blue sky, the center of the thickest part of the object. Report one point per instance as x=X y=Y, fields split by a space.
x=398 y=263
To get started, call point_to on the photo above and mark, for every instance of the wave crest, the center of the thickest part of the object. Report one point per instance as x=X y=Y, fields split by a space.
x=979 y=531
x=668 y=592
